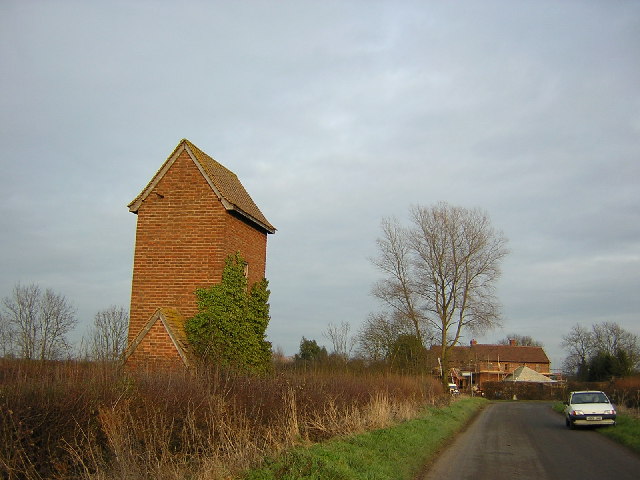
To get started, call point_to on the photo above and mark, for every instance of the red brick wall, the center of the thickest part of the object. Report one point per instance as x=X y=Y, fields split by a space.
x=251 y=243
x=183 y=236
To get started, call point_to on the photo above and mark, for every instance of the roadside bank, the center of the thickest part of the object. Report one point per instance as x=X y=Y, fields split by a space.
x=397 y=452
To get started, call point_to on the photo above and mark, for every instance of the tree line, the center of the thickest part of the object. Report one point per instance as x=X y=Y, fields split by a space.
x=35 y=324
x=604 y=351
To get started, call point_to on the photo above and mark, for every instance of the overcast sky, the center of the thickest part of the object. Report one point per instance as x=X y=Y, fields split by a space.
x=333 y=114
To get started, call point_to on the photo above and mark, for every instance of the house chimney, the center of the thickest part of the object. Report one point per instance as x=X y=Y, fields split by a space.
x=473 y=342
x=513 y=342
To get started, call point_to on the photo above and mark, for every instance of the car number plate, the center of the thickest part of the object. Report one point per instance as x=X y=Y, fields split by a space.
x=594 y=418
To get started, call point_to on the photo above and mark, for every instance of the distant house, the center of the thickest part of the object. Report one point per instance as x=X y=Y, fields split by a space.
x=193 y=214
x=478 y=363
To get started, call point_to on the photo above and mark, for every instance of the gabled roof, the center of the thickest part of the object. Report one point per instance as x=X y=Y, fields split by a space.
x=526 y=374
x=224 y=183
x=494 y=353
x=173 y=323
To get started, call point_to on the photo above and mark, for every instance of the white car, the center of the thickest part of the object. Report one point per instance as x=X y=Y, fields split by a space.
x=589 y=408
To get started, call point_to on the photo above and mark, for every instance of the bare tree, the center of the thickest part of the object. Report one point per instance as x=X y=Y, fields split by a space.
x=6 y=336
x=579 y=344
x=611 y=338
x=40 y=321
x=338 y=335
x=457 y=263
x=451 y=260
x=108 y=338
x=606 y=338
x=376 y=338
x=21 y=315
x=397 y=289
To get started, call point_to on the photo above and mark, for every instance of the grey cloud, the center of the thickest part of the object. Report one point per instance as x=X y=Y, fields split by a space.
x=333 y=115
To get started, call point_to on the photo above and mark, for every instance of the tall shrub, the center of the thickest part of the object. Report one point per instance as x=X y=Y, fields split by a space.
x=230 y=326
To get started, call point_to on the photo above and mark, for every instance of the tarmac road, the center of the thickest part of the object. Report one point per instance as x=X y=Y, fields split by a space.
x=528 y=440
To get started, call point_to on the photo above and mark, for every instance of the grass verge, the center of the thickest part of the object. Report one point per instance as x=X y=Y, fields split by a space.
x=398 y=452
x=626 y=431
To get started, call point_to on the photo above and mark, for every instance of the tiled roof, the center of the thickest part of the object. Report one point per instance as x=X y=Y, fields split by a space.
x=223 y=181
x=493 y=353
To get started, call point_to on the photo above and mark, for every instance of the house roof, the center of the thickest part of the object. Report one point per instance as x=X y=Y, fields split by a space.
x=173 y=323
x=493 y=353
x=223 y=182
x=526 y=374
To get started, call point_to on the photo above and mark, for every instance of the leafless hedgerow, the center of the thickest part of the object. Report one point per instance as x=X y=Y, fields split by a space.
x=79 y=420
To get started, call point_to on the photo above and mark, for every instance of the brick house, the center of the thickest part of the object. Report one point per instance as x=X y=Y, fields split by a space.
x=478 y=363
x=193 y=214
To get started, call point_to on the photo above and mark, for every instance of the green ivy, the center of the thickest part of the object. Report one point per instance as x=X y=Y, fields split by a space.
x=230 y=326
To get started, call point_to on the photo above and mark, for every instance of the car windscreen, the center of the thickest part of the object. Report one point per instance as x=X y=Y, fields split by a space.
x=595 y=397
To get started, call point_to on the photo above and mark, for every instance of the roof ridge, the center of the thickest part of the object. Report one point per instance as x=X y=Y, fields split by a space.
x=232 y=192
x=224 y=182
x=200 y=153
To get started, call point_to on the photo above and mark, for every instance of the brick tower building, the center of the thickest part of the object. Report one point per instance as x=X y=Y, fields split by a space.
x=193 y=214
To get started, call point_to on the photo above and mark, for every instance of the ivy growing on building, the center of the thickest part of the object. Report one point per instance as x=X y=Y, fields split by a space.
x=230 y=326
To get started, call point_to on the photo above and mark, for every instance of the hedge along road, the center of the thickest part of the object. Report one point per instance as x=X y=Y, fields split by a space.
x=528 y=440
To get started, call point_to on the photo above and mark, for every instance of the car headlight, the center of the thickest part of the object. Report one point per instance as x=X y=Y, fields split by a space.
x=609 y=412
x=577 y=412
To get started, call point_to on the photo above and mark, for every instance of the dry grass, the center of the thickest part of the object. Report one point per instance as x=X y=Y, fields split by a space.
x=74 y=420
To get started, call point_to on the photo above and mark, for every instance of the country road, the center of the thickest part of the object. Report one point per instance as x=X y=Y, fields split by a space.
x=528 y=440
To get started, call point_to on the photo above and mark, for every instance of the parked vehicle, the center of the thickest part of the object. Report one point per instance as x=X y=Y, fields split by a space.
x=453 y=389
x=589 y=408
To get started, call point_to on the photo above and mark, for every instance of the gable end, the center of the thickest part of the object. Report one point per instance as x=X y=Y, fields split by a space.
x=223 y=182
x=171 y=320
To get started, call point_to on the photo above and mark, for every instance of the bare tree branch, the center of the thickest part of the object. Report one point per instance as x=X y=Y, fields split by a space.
x=338 y=335
x=396 y=290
